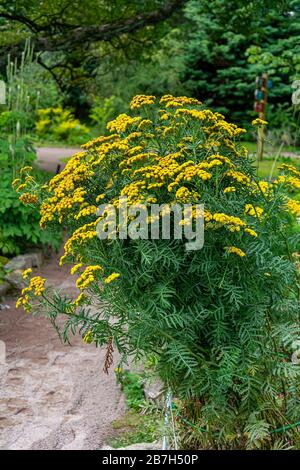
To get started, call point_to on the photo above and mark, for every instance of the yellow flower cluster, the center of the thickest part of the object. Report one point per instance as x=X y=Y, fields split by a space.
x=23 y=301
x=87 y=277
x=184 y=195
x=293 y=181
x=251 y=232
x=138 y=158
x=229 y=189
x=280 y=180
x=111 y=278
x=36 y=287
x=75 y=268
x=65 y=189
x=233 y=223
x=100 y=197
x=122 y=122
x=216 y=122
x=134 y=192
x=21 y=187
x=80 y=236
x=238 y=176
x=61 y=204
x=145 y=123
x=203 y=115
x=259 y=122
x=254 y=211
x=25 y=169
x=26 y=273
x=80 y=299
x=290 y=169
x=235 y=250
x=175 y=153
x=86 y=211
x=99 y=141
x=294 y=207
x=227 y=128
x=142 y=100
x=88 y=337
x=16 y=182
x=145 y=171
x=264 y=187
x=169 y=100
x=28 y=198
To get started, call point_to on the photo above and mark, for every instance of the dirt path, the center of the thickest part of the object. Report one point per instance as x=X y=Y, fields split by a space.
x=49 y=157
x=53 y=396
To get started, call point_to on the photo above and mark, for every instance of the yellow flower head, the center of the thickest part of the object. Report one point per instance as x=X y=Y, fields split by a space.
x=254 y=211
x=26 y=273
x=25 y=169
x=80 y=299
x=28 y=198
x=235 y=250
x=142 y=100
x=251 y=232
x=293 y=207
x=111 y=278
x=88 y=337
x=229 y=189
x=75 y=268
x=259 y=122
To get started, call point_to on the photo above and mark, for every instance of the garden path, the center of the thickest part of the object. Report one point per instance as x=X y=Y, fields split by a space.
x=53 y=396
x=49 y=157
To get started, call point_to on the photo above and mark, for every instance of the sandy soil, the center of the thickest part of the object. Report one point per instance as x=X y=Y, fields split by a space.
x=53 y=396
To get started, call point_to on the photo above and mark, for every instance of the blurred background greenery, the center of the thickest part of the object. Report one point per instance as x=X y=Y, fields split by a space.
x=93 y=56
x=71 y=66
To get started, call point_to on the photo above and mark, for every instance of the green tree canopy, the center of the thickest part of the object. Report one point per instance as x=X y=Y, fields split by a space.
x=220 y=38
x=68 y=34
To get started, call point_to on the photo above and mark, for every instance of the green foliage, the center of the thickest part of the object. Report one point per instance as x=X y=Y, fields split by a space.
x=19 y=224
x=211 y=49
x=131 y=384
x=220 y=46
x=104 y=110
x=72 y=58
x=280 y=52
x=59 y=124
x=135 y=428
x=11 y=120
x=153 y=71
x=3 y=261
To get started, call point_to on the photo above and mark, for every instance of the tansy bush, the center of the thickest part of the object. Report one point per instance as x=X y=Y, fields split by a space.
x=220 y=321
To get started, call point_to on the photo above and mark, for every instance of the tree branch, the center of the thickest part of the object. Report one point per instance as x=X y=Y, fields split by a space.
x=68 y=37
